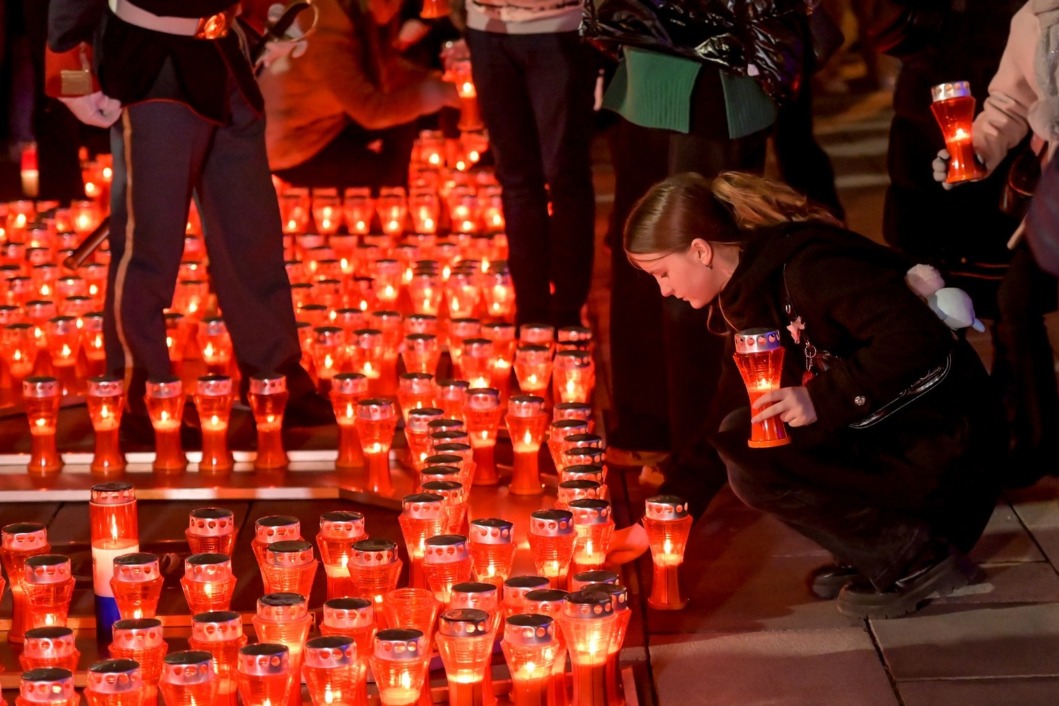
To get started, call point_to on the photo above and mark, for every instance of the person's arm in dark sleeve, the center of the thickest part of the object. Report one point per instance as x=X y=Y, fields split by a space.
x=898 y=338
x=71 y=22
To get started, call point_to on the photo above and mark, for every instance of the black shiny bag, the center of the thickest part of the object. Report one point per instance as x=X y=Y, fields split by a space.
x=764 y=39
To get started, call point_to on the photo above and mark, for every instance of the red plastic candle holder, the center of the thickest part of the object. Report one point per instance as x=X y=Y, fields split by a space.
x=115 y=531
x=446 y=562
x=264 y=675
x=452 y=398
x=165 y=407
x=213 y=401
x=530 y=648
x=188 y=679
x=273 y=528
x=49 y=647
x=284 y=619
x=953 y=108
x=339 y=531
x=290 y=567
x=399 y=662
x=40 y=399
x=137 y=585
x=211 y=530
x=105 y=400
x=417 y=433
x=594 y=526
x=588 y=624
x=465 y=642
x=215 y=345
x=483 y=422
x=668 y=526
x=573 y=376
x=268 y=400
x=348 y=389
x=527 y=423
x=376 y=423
x=551 y=539
x=533 y=368
x=221 y=634
x=142 y=641
x=353 y=618
x=422 y=515
x=47 y=685
x=49 y=587
x=330 y=670
x=492 y=548
x=375 y=568
x=115 y=682
x=208 y=582
x=759 y=357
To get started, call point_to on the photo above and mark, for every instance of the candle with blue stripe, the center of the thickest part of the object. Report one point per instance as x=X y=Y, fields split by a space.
x=115 y=531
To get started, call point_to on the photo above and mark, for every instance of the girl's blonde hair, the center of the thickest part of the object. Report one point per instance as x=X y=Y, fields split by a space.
x=684 y=207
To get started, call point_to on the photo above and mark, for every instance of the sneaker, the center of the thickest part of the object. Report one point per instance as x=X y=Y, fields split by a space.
x=826 y=581
x=937 y=574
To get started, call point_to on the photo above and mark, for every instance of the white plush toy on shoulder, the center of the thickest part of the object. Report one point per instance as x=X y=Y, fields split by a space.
x=952 y=305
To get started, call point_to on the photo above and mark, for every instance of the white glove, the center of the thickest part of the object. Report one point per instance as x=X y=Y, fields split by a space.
x=94 y=109
x=941 y=168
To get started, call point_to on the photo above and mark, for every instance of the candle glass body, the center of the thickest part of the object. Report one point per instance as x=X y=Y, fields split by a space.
x=492 y=546
x=953 y=108
x=221 y=634
x=211 y=530
x=339 y=531
x=668 y=527
x=446 y=562
x=49 y=647
x=208 y=582
x=376 y=423
x=588 y=629
x=483 y=421
x=49 y=586
x=141 y=641
x=551 y=539
x=188 y=679
x=268 y=400
x=213 y=401
x=399 y=662
x=137 y=585
x=330 y=670
x=759 y=357
x=594 y=526
x=353 y=618
x=375 y=569
x=49 y=685
x=165 y=407
x=269 y=529
x=465 y=644
x=422 y=515
x=530 y=650
x=533 y=368
x=347 y=389
x=105 y=400
x=115 y=682
x=284 y=619
x=115 y=531
x=290 y=567
x=527 y=423
x=573 y=376
x=264 y=675
x=20 y=541
x=40 y=399
x=417 y=433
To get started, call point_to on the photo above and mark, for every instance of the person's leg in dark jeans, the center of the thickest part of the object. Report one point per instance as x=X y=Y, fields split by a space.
x=637 y=354
x=507 y=110
x=802 y=162
x=561 y=76
x=1027 y=293
x=535 y=94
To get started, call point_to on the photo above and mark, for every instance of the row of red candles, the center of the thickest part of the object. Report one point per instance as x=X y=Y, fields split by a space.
x=593 y=617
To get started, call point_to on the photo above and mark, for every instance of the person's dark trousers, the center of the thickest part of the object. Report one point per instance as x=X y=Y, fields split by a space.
x=637 y=354
x=163 y=153
x=1026 y=294
x=693 y=354
x=358 y=157
x=535 y=92
x=803 y=163
x=57 y=131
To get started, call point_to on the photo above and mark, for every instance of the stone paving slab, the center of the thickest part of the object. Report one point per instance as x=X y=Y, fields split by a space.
x=1030 y=582
x=981 y=692
x=952 y=641
x=1038 y=509
x=792 y=668
x=1006 y=539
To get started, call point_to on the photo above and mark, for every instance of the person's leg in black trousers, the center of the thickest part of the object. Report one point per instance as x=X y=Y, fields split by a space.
x=638 y=365
x=802 y=162
x=535 y=94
